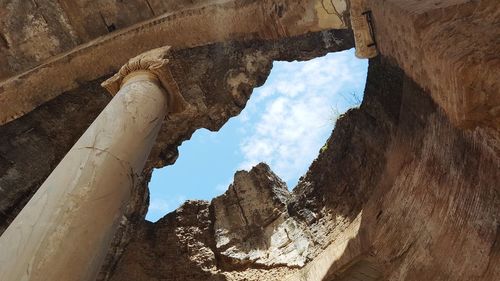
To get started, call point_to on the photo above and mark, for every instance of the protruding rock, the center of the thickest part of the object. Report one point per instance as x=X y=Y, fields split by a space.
x=252 y=224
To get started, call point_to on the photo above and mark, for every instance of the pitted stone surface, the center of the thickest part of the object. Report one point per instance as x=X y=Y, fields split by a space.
x=397 y=192
x=252 y=224
x=215 y=89
x=398 y=185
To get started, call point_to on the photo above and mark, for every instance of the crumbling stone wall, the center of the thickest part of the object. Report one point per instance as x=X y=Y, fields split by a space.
x=421 y=195
x=33 y=31
x=217 y=90
x=407 y=185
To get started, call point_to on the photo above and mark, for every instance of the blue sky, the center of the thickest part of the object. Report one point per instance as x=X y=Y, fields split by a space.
x=285 y=123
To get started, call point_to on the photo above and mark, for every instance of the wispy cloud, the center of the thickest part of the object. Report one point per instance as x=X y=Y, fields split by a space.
x=158 y=205
x=221 y=188
x=290 y=117
x=284 y=124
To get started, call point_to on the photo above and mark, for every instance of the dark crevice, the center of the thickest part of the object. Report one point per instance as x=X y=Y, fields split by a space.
x=150 y=8
x=3 y=42
x=110 y=27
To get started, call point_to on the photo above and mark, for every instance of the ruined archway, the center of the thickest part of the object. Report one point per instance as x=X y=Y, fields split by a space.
x=408 y=181
x=285 y=123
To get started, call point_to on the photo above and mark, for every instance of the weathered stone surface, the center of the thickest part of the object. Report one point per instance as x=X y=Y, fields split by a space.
x=212 y=23
x=216 y=89
x=397 y=192
x=419 y=196
x=406 y=187
x=182 y=239
x=252 y=223
x=181 y=246
x=450 y=48
x=86 y=195
x=33 y=31
x=253 y=233
x=31 y=148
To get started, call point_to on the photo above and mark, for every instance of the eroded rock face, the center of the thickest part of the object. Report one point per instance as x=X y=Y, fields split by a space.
x=177 y=247
x=252 y=224
x=450 y=48
x=397 y=192
x=419 y=197
x=217 y=79
x=247 y=227
x=33 y=31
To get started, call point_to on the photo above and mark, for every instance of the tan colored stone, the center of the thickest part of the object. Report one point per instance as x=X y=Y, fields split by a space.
x=365 y=43
x=64 y=231
x=450 y=48
x=397 y=190
x=188 y=28
x=252 y=225
x=154 y=64
x=398 y=193
x=346 y=242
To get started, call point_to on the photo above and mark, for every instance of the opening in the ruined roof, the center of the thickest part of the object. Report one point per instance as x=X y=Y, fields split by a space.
x=285 y=124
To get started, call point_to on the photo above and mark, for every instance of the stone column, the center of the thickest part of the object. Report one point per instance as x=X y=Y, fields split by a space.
x=64 y=231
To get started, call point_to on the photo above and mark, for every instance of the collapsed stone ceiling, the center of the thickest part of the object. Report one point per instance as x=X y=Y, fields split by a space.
x=408 y=182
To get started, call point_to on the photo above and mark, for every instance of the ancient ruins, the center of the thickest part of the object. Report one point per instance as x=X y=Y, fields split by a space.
x=96 y=94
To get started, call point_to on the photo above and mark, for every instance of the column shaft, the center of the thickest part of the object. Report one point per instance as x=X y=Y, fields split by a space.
x=64 y=231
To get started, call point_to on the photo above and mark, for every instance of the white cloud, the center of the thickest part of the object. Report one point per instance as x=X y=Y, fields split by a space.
x=221 y=188
x=290 y=117
x=180 y=199
x=284 y=124
x=158 y=205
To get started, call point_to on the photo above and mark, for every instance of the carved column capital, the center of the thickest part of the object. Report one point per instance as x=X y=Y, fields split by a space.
x=155 y=63
x=84 y=198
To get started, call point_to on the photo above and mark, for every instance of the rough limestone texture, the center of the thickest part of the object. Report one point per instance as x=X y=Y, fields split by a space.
x=192 y=26
x=422 y=194
x=252 y=224
x=188 y=243
x=406 y=188
x=451 y=49
x=33 y=31
x=216 y=89
x=85 y=196
x=396 y=193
